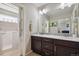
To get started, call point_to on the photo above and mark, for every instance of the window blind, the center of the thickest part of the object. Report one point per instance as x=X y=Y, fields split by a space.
x=9 y=12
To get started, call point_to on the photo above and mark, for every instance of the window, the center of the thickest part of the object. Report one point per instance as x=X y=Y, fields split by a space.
x=9 y=13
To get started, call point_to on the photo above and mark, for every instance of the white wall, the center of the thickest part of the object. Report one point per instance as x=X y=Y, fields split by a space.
x=30 y=12
x=34 y=16
x=43 y=24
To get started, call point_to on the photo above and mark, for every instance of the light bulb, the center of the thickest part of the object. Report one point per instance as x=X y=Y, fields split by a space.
x=44 y=11
x=41 y=12
x=63 y=5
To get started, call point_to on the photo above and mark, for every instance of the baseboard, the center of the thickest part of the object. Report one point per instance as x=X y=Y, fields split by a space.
x=28 y=52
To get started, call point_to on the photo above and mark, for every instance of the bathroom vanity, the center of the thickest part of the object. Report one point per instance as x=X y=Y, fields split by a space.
x=52 y=45
x=58 y=32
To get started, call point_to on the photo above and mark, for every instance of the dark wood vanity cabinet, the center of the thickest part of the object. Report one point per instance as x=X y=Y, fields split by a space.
x=47 y=47
x=54 y=47
x=63 y=51
x=36 y=44
x=43 y=46
x=66 y=48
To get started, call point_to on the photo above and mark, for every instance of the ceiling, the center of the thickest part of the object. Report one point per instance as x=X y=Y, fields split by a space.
x=39 y=4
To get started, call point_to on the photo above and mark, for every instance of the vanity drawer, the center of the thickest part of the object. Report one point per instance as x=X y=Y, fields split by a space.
x=34 y=37
x=46 y=45
x=47 y=40
x=67 y=43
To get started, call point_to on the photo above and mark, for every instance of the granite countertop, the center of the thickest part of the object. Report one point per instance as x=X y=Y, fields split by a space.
x=76 y=39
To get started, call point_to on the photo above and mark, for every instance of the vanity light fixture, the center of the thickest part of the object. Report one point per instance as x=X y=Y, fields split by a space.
x=41 y=12
x=44 y=11
x=63 y=5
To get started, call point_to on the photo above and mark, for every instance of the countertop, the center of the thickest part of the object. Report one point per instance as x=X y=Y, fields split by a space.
x=76 y=39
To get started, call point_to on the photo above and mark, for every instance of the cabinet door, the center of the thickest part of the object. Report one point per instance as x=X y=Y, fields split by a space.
x=66 y=51
x=62 y=51
x=47 y=47
x=36 y=44
x=47 y=44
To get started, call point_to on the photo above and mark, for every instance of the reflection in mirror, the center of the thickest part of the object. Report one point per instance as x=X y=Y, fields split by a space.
x=59 y=19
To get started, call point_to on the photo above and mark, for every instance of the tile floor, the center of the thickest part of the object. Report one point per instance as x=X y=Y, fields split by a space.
x=16 y=52
x=33 y=54
x=10 y=53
